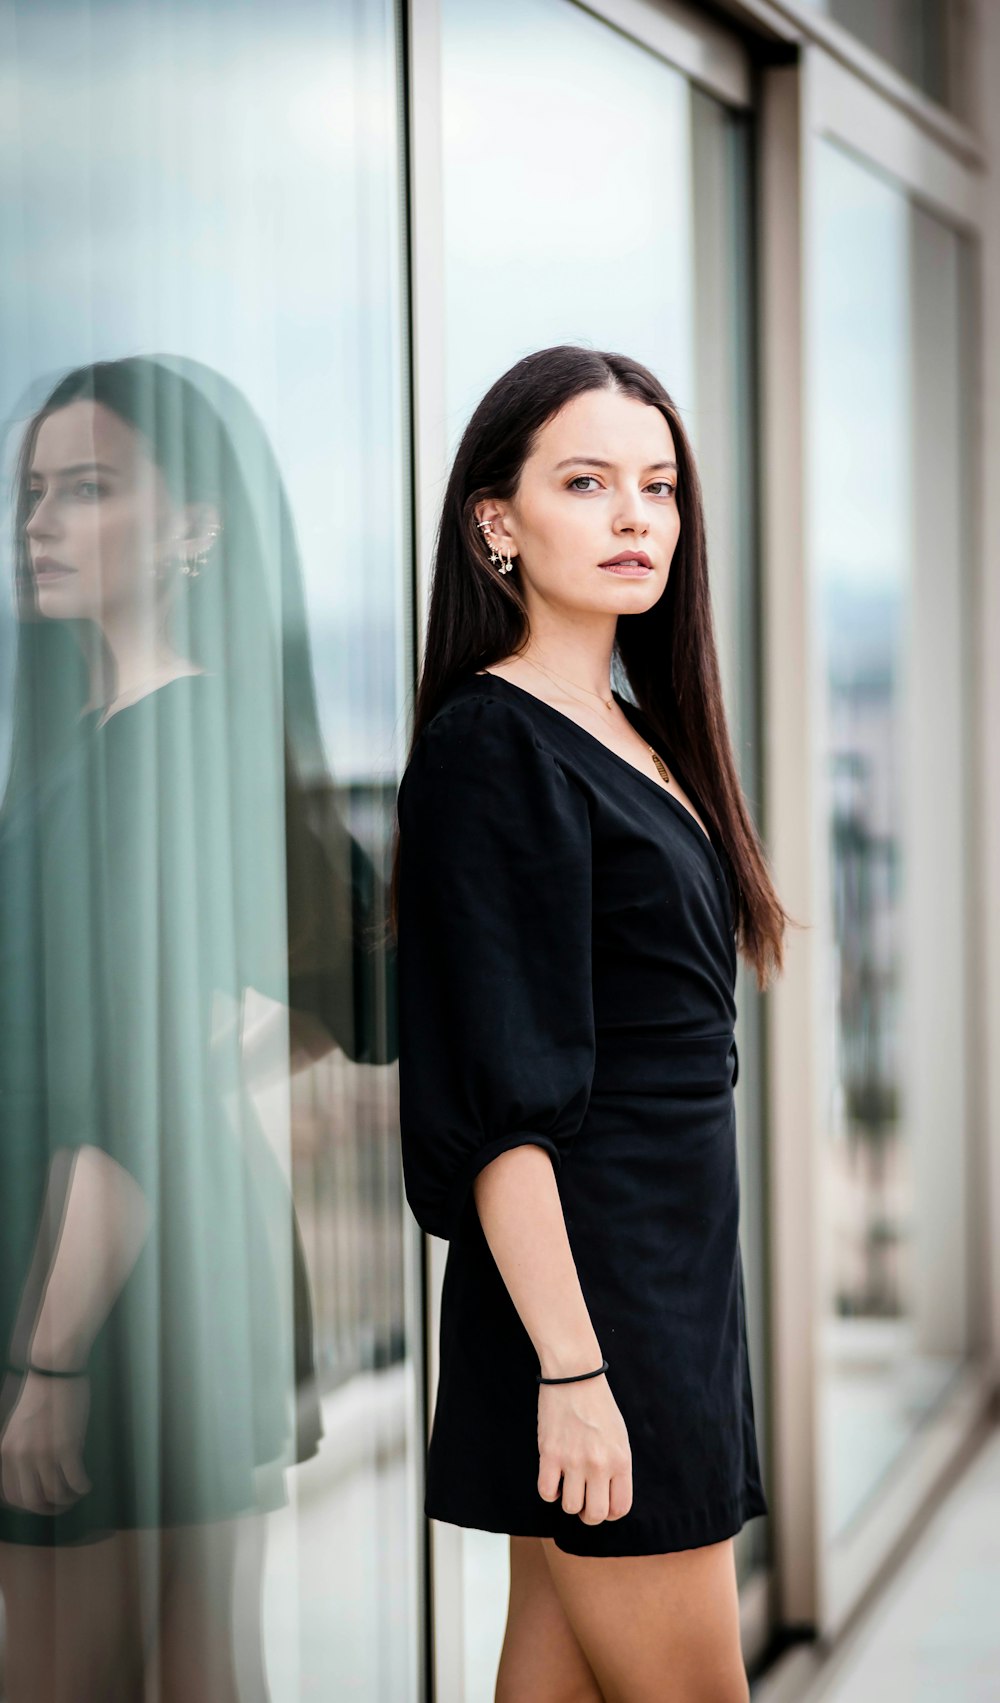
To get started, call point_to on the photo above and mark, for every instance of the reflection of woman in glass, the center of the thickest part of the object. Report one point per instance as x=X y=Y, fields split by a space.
x=575 y=870
x=158 y=860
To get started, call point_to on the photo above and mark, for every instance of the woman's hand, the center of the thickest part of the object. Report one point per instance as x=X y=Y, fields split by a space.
x=582 y=1440
x=41 y=1448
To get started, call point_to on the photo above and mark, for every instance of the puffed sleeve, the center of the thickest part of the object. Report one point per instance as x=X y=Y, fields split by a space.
x=496 y=1025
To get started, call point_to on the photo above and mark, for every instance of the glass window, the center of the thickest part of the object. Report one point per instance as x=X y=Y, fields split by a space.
x=911 y=35
x=615 y=214
x=203 y=671
x=890 y=509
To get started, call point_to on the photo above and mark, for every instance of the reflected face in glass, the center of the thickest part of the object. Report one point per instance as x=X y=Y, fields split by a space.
x=571 y=515
x=100 y=517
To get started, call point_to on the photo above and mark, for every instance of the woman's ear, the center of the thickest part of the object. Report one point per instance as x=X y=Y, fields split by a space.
x=203 y=524
x=490 y=513
x=200 y=526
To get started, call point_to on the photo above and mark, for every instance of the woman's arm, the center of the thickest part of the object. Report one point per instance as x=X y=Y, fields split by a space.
x=497 y=1048
x=93 y=1225
x=581 y=1434
x=496 y=1020
x=94 y=1222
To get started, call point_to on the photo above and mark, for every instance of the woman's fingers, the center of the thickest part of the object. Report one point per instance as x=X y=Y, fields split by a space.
x=620 y=1498
x=74 y=1475
x=52 y=1488
x=594 y=1495
x=595 y=1508
x=549 y=1476
x=8 y=1478
x=574 y=1489
x=42 y=1483
x=30 y=1494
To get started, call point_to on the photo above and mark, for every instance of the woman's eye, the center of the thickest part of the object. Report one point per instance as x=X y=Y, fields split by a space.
x=581 y=477
x=88 y=488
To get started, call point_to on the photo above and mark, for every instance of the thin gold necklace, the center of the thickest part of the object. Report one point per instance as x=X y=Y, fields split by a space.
x=607 y=702
x=661 y=766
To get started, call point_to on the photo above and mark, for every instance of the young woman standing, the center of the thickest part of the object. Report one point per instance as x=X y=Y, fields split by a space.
x=575 y=871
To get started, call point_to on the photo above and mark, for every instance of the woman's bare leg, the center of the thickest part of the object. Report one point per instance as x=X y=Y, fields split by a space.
x=541 y=1660
x=210 y=1605
x=656 y=1628
x=73 y=1622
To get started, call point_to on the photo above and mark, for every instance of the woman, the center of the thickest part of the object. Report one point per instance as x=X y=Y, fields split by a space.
x=574 y=870
x=162 y=883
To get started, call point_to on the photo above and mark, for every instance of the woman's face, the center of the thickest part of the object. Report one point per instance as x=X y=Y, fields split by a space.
x=100 y=516
x=600 y=483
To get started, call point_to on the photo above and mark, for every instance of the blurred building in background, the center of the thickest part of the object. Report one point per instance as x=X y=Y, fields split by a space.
x=360 y=213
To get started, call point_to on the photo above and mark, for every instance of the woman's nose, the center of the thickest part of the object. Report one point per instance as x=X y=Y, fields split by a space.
x=38 y=524
x=632 y=519
x=630 y=512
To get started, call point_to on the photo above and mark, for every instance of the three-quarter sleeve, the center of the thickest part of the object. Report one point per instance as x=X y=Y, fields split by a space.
x=496 y=1025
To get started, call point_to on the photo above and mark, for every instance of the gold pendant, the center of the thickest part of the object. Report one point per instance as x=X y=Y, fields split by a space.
x=660 y=764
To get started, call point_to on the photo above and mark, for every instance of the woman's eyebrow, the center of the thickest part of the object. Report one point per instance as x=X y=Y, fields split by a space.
x=77 y=467
x=592 y=461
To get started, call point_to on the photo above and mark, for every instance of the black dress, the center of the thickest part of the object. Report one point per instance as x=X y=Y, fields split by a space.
x=566 y=961
x=142 y=891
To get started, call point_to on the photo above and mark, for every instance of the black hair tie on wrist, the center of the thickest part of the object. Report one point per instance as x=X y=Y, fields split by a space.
x=575 y=1377
x=44 y=1371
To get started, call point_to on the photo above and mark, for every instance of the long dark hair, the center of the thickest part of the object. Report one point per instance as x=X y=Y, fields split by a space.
x=666 y=658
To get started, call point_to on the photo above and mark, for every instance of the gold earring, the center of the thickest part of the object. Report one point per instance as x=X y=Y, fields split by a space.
x=484 y=526
x=193 y=568
x=495 y=555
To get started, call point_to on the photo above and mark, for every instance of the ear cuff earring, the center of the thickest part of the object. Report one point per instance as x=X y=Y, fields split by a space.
x=495 y=556
x=189 y=566
x=193 y=567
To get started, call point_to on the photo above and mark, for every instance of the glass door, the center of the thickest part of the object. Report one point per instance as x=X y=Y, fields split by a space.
x=890 y=507
x=615 y=213
x=204 y=388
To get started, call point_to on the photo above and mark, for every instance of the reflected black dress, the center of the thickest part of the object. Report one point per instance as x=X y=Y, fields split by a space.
x=139 y=897
x=566 y=960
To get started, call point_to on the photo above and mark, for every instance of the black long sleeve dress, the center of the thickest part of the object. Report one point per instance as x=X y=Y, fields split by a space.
x=566 y=967
x=142 y=891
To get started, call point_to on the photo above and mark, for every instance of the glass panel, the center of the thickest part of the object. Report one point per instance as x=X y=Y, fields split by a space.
x=888 y=507
x=201 y=732
x=911 y=35
x=616 y=215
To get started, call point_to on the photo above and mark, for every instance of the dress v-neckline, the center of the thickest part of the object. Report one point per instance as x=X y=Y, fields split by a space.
x=688 y=816
x=99 y=726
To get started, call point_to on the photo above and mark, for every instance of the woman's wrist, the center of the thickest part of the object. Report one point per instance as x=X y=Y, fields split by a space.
x=566 y=1359
x=32 y=1369
x=577 y=1377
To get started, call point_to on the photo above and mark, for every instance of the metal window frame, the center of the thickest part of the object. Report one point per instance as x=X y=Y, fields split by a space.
x=811 y=79
x=717 y=62
x=816 y=97
x=794 y=26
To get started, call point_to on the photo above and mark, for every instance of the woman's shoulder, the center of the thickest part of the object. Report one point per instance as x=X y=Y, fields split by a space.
x=475 y=711
x=482 y=739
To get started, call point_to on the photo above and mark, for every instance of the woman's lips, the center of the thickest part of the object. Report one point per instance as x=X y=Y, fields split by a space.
x=45 y=570
x=626 y=570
